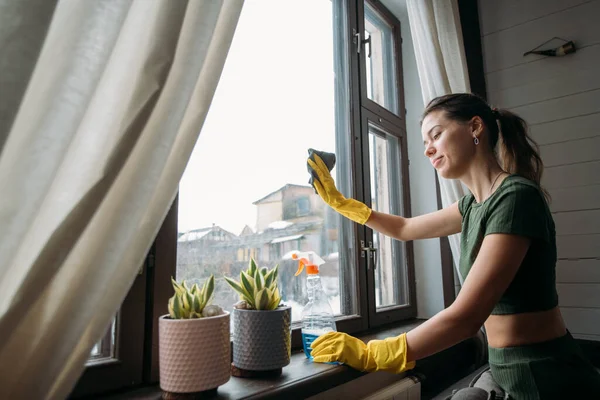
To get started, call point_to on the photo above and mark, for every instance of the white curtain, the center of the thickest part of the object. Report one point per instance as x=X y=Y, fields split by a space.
x=102 y=103
x=439 y=49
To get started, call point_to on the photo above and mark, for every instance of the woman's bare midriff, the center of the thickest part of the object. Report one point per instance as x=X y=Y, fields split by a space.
x=526 y=328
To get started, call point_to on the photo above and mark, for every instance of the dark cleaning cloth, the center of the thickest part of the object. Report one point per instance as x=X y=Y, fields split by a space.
x=328 y=159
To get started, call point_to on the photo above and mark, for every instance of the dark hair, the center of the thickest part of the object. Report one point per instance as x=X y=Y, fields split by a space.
x=517 y=152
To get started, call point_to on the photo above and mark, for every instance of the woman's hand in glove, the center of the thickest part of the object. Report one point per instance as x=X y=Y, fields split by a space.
x=325 y=187
x=378 y=355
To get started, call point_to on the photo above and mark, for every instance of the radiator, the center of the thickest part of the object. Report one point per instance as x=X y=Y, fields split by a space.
x=408 y=388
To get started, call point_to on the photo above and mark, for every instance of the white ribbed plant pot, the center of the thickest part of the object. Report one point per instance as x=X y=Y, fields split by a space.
x=194 y=354
x=262 y=340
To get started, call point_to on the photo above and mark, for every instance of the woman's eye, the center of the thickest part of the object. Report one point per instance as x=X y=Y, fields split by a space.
x=436 y=136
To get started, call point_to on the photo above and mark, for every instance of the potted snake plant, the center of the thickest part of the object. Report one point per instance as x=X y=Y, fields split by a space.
x=261 y=324
x=194 y=341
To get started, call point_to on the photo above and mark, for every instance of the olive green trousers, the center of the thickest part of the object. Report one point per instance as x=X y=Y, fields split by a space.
x=552 y=370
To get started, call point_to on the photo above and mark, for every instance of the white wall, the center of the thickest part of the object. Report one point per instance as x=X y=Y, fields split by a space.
x=428 y=264
x=560 y=98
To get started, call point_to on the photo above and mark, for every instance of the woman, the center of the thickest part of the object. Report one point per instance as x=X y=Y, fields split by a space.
x=508 y=256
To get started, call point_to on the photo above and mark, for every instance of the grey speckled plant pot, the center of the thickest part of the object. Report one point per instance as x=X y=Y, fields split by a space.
x=262 y=340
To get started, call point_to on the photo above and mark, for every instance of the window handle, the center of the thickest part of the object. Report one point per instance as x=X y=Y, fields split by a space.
x=356 y=40
x=368 y=41
x=359 y=42
x=371 y=254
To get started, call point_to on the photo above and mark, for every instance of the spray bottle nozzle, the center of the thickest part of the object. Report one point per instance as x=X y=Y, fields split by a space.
x=308 y=259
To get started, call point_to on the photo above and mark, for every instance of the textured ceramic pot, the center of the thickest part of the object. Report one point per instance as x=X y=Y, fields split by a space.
x=194 y=354
x=262 y=340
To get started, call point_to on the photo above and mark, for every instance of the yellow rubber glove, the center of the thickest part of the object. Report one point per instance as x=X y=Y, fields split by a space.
x=377 y=355
x=325 y=186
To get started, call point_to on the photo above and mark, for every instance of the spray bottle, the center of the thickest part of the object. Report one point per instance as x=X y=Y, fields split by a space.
x=317 y=314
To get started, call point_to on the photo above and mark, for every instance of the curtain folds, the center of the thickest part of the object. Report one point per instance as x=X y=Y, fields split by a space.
x=439 y=50
x=102 y=103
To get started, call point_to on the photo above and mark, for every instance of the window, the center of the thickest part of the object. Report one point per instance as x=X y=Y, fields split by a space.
x=104 y=350
x=381 y=79
x=117 y=360
x=302 y=206
x=245 y=192
x=295 y=96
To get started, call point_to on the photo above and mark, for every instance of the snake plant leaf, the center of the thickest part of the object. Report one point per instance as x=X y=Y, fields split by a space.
x=171 y=310
x=269 y=278
x=185 y=303
x=247 y=282
x=176 y=286
x=244 y=295
x=177 y=306
x=195 y=289
x=197 y=305
x=259 y=279
x=256 y=275
x=203 y=288
x=252 y=267
x=210 y=287
x=274 y=303
x=275 y=299
x=190 y=299
x=185 y=314
x=236 y=286
x=275 y=273
x=264 y=270
x=262 y=300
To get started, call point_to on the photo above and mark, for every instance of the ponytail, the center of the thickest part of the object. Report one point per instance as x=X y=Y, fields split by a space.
x=516 y=151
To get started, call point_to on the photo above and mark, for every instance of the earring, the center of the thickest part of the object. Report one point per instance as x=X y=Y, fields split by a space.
x=476 y=141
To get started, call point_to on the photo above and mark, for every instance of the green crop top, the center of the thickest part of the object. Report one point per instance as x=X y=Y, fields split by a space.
x=516 y=207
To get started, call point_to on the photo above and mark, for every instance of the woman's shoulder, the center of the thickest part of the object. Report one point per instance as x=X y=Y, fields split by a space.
x=465 y=202
x=519 y=207
x=519 y=188
x=517 y=192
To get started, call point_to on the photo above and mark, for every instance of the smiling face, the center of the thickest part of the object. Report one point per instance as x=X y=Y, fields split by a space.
x=449 y=144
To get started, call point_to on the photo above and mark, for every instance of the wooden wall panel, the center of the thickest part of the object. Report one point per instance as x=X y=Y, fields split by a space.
x=563 y=130
x=542 y=69
x=578 y=222
x=566 y=176
x=580 y=23
x=582 y=320
x=563 y=107
x=546 y=89
x=575 y=198
x=500 y=15
x=578 y=246
x=578 y=271
x=586 y=295
x=571 y=152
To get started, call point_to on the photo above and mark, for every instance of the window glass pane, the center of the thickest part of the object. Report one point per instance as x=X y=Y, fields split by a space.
x=104 y=350
x=386 y=192
x=380 y=59
x=245 y=191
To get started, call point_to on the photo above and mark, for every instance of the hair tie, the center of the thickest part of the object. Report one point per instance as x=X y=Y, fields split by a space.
x=495 y=113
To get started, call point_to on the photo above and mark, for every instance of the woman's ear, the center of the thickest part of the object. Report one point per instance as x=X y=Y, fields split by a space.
x=476 y=125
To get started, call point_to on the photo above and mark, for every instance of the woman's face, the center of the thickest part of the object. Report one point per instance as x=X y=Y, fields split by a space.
x=448 y=144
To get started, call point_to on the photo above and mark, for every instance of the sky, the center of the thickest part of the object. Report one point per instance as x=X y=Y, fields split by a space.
x=273 y=102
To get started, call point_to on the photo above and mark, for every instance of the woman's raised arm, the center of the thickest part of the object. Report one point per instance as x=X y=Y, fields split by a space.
x=436 y=224
x=444 y=222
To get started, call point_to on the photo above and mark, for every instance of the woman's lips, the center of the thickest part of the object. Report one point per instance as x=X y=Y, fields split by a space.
x=436 y=162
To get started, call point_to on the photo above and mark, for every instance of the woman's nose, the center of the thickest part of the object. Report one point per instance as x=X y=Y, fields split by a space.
x=429 y=150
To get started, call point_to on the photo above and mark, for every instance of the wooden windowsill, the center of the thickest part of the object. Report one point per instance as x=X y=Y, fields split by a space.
x=303 y=378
